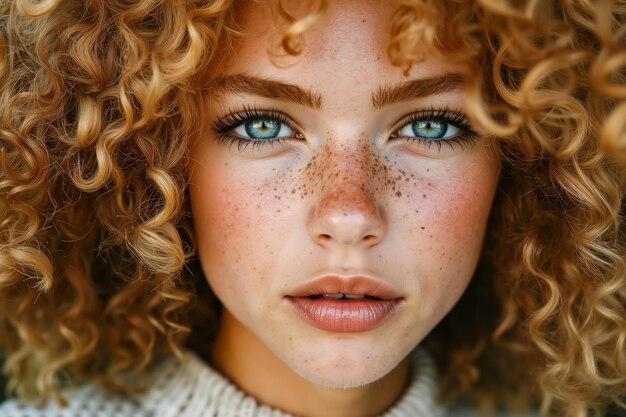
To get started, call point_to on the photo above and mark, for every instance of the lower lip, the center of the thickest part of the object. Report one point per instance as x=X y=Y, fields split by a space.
x=344 y=316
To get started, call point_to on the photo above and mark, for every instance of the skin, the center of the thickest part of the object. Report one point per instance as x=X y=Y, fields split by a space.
x=345 y=194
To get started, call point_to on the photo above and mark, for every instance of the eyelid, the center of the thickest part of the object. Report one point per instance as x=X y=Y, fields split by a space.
x=456 y=118
x=234 y=118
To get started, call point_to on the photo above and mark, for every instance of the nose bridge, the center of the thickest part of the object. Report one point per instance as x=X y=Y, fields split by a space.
x=347 y=210
x=348 y=186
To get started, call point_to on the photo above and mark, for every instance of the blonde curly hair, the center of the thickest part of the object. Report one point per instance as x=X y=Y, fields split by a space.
x=99 y=101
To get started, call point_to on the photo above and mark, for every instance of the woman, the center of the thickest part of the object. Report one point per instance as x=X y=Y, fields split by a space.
x=371 y=190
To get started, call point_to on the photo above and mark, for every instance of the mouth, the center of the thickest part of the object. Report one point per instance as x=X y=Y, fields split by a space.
x=345 y=296
x=346 y=288
x=345 y=304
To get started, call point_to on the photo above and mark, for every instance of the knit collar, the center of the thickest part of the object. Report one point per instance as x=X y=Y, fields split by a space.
x=194 y=389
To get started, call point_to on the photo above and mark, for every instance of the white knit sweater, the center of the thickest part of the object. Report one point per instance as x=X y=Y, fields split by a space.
x=194 y=389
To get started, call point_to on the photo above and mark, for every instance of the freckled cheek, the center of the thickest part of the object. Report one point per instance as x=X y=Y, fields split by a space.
x=448 y=211
x=239 y=220
x=452 y=223
x=462 y=211
x=222 y=223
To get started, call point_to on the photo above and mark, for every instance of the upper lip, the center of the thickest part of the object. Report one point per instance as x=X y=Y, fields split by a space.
x=353 y=284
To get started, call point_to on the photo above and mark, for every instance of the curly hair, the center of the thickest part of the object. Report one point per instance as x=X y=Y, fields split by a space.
x=98 y=272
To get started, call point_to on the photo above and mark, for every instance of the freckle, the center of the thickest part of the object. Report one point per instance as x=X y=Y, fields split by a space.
x=398 y=194
x=424 y=195
x=293 y=191
x=423 y=228
x=417 y=211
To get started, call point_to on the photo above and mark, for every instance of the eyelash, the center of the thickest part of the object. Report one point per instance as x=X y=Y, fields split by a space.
x=466 y=136
x=231 y=121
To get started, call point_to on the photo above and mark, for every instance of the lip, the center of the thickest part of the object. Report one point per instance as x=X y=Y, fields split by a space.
x=345 y=316
x=354 y=284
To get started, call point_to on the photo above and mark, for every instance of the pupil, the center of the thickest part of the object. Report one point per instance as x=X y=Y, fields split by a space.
x=262 y=128
x=431 y=129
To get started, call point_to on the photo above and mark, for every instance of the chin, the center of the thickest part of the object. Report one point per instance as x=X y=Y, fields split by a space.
x=344 y=368
x=341 y=378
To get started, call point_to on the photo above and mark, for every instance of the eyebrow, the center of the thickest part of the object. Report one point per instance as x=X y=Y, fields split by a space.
x=263 y=87
x=384 y=96
x=416 y=89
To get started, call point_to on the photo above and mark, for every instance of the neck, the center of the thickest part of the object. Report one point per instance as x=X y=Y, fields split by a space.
x=246 y=361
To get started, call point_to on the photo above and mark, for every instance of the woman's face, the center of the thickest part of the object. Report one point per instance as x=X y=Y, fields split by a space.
x=332 y=172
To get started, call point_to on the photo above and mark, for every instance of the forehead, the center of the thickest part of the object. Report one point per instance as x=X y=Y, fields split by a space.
x=342 y=21
x=352 y=36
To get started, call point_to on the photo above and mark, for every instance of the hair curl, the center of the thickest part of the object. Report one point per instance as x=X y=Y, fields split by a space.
x=99 y=100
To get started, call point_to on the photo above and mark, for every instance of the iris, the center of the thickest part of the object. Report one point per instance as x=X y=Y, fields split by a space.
x=430 y=129
x=262 y=128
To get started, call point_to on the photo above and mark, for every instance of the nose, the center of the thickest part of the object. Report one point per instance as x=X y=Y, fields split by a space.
x=346 y=210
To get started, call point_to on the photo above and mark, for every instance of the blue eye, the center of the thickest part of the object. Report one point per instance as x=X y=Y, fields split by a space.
x=263 y=128
x=431 y=129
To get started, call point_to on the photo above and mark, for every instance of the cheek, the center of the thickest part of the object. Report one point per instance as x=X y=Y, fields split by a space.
x=238 y=217
x=221 y=219
x=439 y=216
x=450 y=229
x=224 y=218
x=458 y=213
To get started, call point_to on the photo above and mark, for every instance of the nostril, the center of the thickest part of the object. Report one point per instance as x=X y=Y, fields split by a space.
x=360 y=226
